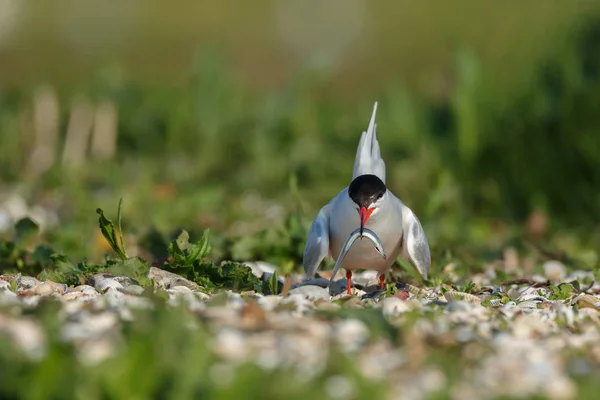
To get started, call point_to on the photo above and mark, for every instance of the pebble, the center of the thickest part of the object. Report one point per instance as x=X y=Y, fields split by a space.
x=298 y=331
x=26 y=282
x=311 y=292
x=106 y=285
x=393 y=306
x=134 y=290
x=165 y=279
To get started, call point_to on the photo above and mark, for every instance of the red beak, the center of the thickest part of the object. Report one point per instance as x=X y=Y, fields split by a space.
x=364 y=216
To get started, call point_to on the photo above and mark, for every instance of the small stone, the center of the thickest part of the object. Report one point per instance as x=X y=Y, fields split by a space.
x=179 y=290
x=335 y=288
x=72 y=295
x=201 y=295
x=252 y=316
x=353 y=302
x=325 y=305
x=125 y=281
x=462 y=306
x=269 y=302
x=299 y=303
x=106 y=285
x=8 y=298
x=44 y=289
x=351 y=334
x=365 y=278
x=135 y=290
x=165 y=279
x=94 y=279
x=393 y=306
x=79 y=288
x=26 y=283
x=311 y=292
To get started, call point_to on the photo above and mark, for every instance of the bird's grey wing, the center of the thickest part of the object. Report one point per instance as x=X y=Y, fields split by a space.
x=368 y=154
x=414 y=242
x=317 y=243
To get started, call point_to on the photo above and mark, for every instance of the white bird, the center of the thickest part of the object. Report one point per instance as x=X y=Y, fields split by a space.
x=366 y=202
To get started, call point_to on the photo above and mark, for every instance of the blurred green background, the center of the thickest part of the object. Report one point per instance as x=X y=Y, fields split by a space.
x=232 y=115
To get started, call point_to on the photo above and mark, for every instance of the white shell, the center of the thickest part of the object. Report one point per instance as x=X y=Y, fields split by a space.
x=106 y=284
x=452 y=295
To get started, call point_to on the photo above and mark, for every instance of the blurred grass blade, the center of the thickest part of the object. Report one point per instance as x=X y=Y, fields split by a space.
x=122 y=244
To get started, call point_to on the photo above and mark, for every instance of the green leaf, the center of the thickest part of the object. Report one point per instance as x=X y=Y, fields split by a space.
x=134 y=268
x=63 y=270
x=274 y=284
x=109 y=232
x=63 y=263
x=43 y=254
x=565 y=290
x=119 y=225
x=229 y=275
x=25 y=229
x=185 y=254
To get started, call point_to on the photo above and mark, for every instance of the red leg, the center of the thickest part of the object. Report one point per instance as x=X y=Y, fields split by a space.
x=349 y=278
x=381 y=281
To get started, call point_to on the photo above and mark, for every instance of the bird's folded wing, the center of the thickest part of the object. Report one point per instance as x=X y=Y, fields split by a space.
x=414 y=243
x=317 y=243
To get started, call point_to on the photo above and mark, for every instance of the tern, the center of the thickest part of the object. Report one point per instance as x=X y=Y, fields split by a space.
x=367 y=203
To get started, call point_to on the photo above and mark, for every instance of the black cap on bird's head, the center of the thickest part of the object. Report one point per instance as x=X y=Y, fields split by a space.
x=364 y=191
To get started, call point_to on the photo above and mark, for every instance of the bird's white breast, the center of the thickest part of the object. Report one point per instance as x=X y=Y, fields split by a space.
x=386 y=223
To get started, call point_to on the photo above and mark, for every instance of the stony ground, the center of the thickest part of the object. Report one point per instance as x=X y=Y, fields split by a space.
x=533 y=337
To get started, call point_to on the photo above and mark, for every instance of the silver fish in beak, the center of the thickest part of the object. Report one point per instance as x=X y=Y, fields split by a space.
x=361 y=232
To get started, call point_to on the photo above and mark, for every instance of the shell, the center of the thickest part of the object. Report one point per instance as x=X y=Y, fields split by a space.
x=105 y=284
x=165 y=279
x=203 y=296
x=393 y=306
x=496 y=302
x=80 y=288
x=125 y=281
x=95 y=279
x=72 y=295
x=26 y=282
x=134 y=290
x=179 y=289
x=528 y=305
x=50 y=287
x=587 y=300
x=44 y=289
x=533 y=298
x=414 y=290
x=4 y=285
x=452 y=295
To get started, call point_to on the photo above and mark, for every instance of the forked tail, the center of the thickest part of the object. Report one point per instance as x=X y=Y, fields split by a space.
x=368 y=155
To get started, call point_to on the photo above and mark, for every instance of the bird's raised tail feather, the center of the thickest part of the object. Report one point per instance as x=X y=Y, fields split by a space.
x=368 y=155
